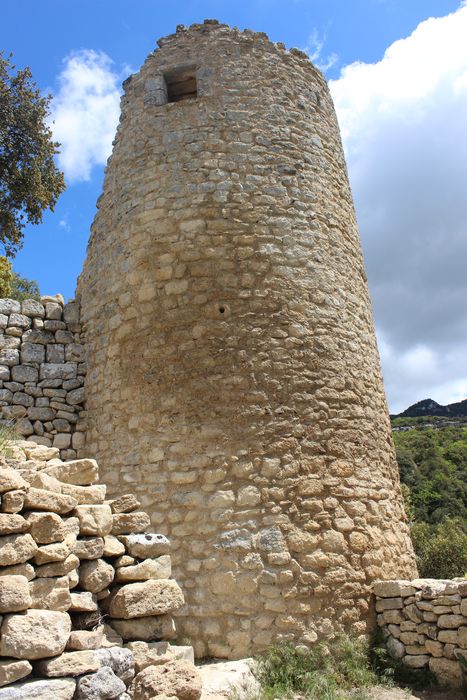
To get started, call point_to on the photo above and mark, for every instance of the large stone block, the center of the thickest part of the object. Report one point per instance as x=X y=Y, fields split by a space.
x=94 y=520
x=154 y=597
x=35 y=634
x=16 y=549
x=12 y=670
x=175 y=678
x=14 y=594
x=145 y=628
x=80 y=472
x=56 y=689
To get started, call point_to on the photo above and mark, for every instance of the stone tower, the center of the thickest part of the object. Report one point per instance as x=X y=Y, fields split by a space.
x=233 y=376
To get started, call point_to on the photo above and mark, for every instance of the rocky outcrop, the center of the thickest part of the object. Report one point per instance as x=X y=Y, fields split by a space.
x=76 y=582
x=424 y=624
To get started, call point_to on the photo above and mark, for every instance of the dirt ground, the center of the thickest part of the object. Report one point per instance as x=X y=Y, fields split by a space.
x=399 y=694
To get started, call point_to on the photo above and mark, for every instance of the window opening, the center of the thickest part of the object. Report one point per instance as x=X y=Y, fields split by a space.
x=181 y=84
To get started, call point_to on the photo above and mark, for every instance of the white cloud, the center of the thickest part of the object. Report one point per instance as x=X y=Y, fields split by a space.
x=85 y=112
x=314 y=49
x=403 y=123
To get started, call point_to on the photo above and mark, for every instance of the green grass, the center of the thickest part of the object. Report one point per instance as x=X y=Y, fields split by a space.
x=7 y=433
x=333 y=670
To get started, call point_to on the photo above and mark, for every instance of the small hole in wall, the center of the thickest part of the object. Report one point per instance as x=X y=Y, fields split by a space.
x=222 y=309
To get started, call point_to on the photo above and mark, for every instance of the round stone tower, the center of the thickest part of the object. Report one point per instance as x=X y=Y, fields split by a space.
x=233 y=376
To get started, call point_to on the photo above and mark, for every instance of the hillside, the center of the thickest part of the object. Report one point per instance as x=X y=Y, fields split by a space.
x=428 y=407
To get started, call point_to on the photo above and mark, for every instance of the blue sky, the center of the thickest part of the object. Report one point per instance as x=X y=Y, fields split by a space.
x=411 y=214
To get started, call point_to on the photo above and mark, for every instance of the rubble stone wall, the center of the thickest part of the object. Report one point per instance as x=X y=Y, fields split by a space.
x=233 y=376
x=424 y=624
x=42 y=371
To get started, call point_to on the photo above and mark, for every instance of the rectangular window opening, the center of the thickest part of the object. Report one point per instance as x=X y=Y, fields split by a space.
x=181 y=84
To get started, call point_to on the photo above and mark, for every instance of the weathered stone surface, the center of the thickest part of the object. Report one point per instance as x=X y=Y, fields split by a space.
x=70 y=663
x=18 y=570
x=149 y=653
x=50 y=593
x=35 y=634
x=125 y=504
x=57 y=689
x=94 y=520
x=91 y=495
x=103 y=685
x=11 y=480
x=84 y=601
x=113 y=547
x=58 y=568
x=416 y=661
x=154 y=597
x=12 y=670
x=14 y=594
x=39 y=499
x=13 y=501
x=11 y=523
x=79 y=472
x=145 y=628
x=89 y=547
x=57 y=551
x=95 y=575
x=46 y=527
x=450 y=621
x=160 y=568
x=447 y=672
x=85 y=639
x=16 y=549
x=176 y=678
x=146 y=545
x=128 y=523
x=41 y=452
x=119 y=660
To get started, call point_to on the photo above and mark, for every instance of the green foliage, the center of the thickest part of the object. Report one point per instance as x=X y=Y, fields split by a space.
x=22 y=288
x=29 y=179
x=7 y=433
x=6 y=276
x=441 y=549
x=433 y=464
x=333 y=670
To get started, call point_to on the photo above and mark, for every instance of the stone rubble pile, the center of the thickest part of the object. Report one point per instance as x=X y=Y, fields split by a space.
x=424 y=623
x=42 y=372
x=79 y=576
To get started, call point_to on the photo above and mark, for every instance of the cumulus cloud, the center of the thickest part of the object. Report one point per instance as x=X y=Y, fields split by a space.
x=314 y=49
x=85 y=112
x=403 y=122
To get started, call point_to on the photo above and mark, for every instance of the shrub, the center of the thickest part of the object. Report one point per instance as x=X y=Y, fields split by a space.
x=441 y=549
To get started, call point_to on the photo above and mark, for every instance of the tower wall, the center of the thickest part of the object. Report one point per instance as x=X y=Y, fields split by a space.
x=233 y=376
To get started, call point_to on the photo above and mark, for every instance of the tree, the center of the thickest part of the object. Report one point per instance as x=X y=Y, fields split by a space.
x=14 y=286
x=30 y=182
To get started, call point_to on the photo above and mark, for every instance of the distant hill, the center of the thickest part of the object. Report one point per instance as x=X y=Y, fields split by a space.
x=428 y=407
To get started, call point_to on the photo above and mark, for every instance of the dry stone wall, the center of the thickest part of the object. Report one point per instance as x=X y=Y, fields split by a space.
x=233 y=377
x=424 y=624
x=84 y=589
x=42 y=372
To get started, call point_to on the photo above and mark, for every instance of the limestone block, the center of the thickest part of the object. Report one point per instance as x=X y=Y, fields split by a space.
x=448 y=672
x=39 y=499
x=14 y=594
x=94 y=519
x=70 y=663
x=90 y=495
x=58 y=689
x=46 y=528
x=111 y=637
x=11 y=480
x=62 y=370
x=9 y=306
x=448 y=636
x=13 y=501
x=12 y=670
x=113 y=547
x=80 y=640
x=416 y=661
x=34 y=634
x=57 y=551
x=11 y=523
x=393 y=589
x=40 y=452
x=16 y=549
x=50 y=594
x=32 y=308
x=125 y=504
x=149 y=653
x=128 y=523
x=103 y=684
x=58 y=568
x=389 y=604
x=79 y=472
x=18 y=570
x=83 y=602
x=153 y=597
x=95 y=575
x=89 y=547
x=462 y=637
x=145 y=628
x=160 y=568
x=175 y=678
x=43 y=481
x=463 y=609
x=119 y=660
x=146 y=545
x=450 y=621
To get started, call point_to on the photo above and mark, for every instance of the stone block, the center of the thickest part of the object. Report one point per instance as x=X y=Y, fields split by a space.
x=58 y=568
x=23 y=373
x=50 y=594
x=95 y=575
x=58 y=689
x=32 y=308
x=89 y=548
x=12 y=670
x=128 y=523
x=79 y=472
x=83 y=601
x=14 y=594
x=40 y=499
x=94 y=520
x=11 y=480
x=154 y=597
x=125 y=504
x=16 y=549
x=103 y=684
x=52 y=370
x=80 y=640
x=86 y=495
x=448 y=672
x=32 y=353
x=145 y=628
x=11 y=523
x=113 y=547
x=35 y=634
x=175 y=678
x=146 y=545
x=70 y=663
x=46 y=527
x=159 y=568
